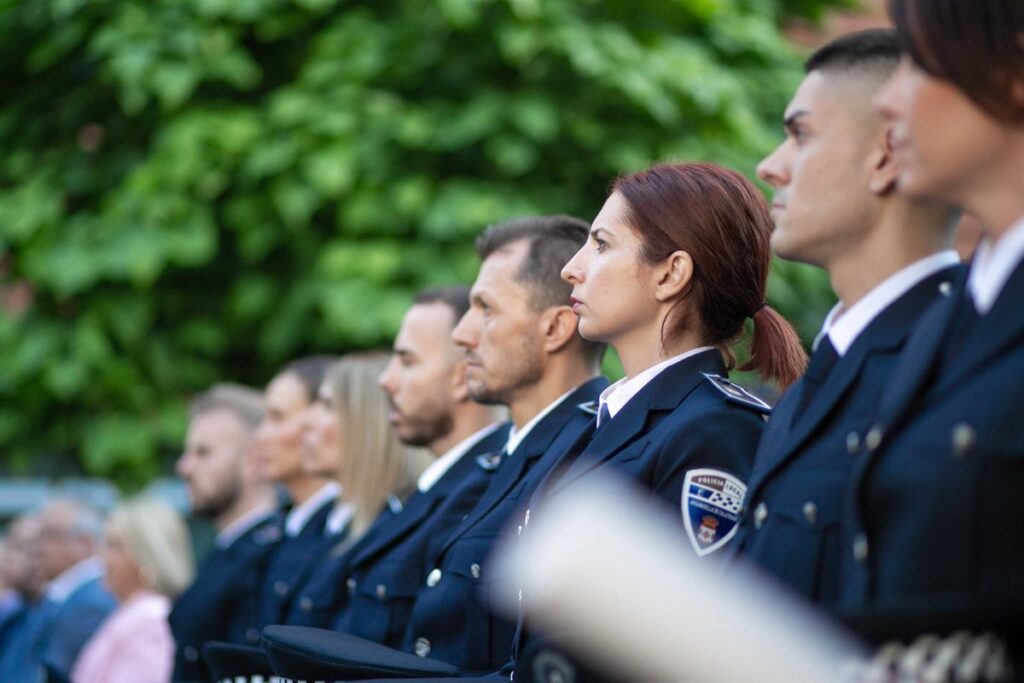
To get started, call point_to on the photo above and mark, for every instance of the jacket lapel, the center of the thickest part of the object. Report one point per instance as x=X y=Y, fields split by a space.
x=663 y=394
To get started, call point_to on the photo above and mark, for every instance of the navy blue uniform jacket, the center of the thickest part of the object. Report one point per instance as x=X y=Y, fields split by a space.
x=803 y=463
x=937 y=506
x=387 y=570
x=218 y=605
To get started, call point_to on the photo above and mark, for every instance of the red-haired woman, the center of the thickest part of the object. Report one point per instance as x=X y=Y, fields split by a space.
x=676 y=261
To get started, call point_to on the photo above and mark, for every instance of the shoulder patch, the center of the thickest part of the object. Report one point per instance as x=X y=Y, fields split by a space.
x=712 y=500
x=489 y=462
x=735 y=393
x=590 y=407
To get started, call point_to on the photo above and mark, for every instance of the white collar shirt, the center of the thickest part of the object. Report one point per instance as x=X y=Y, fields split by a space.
x=616 y=396
x=338 y=518
x=843 y=327
x=300 y=515
x=516 y=436
x=441 y=465
x=73 y=578
x=993 y=265
x=232 y=532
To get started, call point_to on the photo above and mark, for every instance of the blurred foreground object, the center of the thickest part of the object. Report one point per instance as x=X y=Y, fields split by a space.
x=685 y=619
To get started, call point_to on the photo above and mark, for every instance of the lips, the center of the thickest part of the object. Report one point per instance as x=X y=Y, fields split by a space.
x=575 y=304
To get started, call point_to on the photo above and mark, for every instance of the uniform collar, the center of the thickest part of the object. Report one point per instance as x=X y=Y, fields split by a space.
x=299 y=516
x=617 y=395
x=73 y=578
x=992 y=266
x=516 y=436
x=338 y=518
x=843 y=327
x=441 y=465
x=249 y=520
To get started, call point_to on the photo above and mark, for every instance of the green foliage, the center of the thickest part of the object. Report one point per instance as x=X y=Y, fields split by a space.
x=199 y=190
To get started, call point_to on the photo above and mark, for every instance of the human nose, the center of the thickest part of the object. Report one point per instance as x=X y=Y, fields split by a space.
x=772 y=169
x=573 y=271
x=464 y=334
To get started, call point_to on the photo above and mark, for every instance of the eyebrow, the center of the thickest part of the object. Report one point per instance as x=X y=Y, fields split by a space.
x=594 y=231
x=792 y=119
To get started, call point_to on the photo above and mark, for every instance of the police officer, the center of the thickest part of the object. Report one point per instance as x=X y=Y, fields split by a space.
x=522 y=350
x=279 y=454
x=936 y=515
x=222 y=485
x=888 y=256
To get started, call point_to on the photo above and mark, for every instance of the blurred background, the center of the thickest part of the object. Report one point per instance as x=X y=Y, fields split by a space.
x=200 y=190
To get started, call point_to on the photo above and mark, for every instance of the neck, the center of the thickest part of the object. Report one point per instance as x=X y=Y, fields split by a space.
x=467 y=419
x=262 y=496
x=642 y=349
x=904 y=233
x=303 y=486
x=996 y=194
x=563 y=374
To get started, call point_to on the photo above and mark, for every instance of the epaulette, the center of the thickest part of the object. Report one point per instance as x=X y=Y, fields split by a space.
x=737 y=394
x=590 y=407
x=489 y=462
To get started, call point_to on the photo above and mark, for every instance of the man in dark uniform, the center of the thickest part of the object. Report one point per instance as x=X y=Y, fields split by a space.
x=522 y=351
x=888 y=257
x=223 y=486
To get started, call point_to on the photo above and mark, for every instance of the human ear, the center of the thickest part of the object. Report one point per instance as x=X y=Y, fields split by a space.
x=460 y=393
x=882 y=169
x=673 y=275
x=557 y=327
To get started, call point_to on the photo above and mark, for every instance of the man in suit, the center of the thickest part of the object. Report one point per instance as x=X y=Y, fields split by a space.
x=75 y=601
x=223 y=486
x=888 y=258
x=523 y=351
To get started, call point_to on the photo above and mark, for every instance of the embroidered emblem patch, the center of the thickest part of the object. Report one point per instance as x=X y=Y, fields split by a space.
x=489 y=462
x=712 y=500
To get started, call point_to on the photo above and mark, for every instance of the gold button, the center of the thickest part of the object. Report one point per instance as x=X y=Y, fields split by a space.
x=945 y=288
x=382 y=591
x=964 y=438
x=281 y=588
x=860 y=547
x=306 y=604
x=474 y=570
x=421 y=647
x=433 y=578
x=760 y=514
x=351 y=583
x=191 y=654
x=874 y=438
x=852 y=443
x=811 y=513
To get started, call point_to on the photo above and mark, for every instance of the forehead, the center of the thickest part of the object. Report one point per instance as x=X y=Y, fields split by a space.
x=498 y=273
x=424 y=322
x=613 y=213
x=216 y=424
x=835 y=98
x=286 y=392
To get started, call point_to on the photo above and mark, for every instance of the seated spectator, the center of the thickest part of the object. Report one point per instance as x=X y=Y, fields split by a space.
x=147 y=555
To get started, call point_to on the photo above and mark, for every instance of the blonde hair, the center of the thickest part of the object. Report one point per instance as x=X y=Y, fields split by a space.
x=375 y=464
x=156 y=537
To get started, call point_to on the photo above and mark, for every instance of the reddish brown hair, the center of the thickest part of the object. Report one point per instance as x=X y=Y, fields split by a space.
x=723 y=222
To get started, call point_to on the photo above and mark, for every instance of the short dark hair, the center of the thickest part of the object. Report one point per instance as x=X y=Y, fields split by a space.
x=974 y=45
x=877 y=48
x=246 y=403
x=553 y=241
x=311 y=372
x=455 y=297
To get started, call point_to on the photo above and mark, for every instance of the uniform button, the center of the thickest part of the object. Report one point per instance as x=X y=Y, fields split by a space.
x=873 y=439
x=519 y=530
x=852 y=443
x=860 y=547
x=963 y=439
x=945 y=288
x=306 y=603
x=433 y=578
x=252 y=635
x=760 y=514
x=351 y=584
x=191 y=654
x=382 y=591
x=474 y=570
x=811 y=513
x=421 y=647
x=281 y=588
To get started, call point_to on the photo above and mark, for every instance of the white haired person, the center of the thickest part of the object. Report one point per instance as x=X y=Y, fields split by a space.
x=147 y=554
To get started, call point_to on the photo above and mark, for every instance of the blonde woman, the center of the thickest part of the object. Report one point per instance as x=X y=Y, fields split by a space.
x=375 y=470
x=147 y=555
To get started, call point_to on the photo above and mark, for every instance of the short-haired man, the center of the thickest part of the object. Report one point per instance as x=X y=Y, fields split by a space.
x=888 y=257
x=75 y=601
x=522 y=351
x=224 y=487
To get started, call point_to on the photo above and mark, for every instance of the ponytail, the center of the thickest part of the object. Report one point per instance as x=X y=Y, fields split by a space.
x=775 y=349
